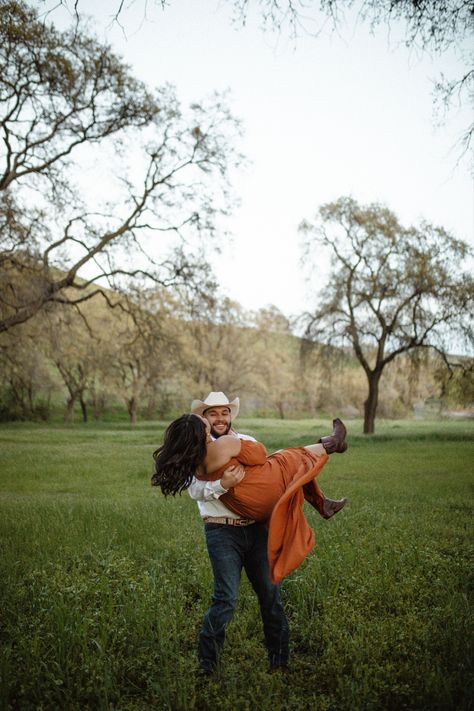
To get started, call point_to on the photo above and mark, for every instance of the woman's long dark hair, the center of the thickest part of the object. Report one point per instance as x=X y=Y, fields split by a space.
x=182 y=451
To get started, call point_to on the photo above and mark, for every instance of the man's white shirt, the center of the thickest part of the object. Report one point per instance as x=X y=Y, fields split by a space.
x=207 y=493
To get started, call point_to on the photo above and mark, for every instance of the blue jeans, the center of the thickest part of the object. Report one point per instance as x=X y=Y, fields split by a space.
x=230 y=549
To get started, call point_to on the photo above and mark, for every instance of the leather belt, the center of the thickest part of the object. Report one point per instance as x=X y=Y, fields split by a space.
x=228 y=521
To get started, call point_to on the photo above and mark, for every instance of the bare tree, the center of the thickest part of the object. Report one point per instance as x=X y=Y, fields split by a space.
x=433 y=26
x=165 y=170
x=391 y=289
x=430 y=25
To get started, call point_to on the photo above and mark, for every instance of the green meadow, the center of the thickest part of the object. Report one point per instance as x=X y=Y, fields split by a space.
x=104 y=582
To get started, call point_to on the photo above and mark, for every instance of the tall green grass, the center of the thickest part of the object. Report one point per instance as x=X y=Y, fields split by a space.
x=104 y=582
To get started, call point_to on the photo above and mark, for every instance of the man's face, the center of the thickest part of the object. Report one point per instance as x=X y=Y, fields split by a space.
x=219 y=419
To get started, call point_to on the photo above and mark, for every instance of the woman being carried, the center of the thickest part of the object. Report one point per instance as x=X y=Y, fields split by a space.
x=273 y=489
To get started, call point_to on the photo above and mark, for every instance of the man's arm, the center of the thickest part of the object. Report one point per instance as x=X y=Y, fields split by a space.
x=200 y=490
x=205 y=490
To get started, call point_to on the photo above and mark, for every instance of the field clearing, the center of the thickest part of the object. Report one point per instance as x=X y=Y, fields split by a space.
x=104 y=582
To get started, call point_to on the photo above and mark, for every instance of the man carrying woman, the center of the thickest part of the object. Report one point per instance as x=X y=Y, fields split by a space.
x=242 y=495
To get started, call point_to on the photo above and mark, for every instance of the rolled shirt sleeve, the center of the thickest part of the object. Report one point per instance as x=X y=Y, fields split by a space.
x=205 y=490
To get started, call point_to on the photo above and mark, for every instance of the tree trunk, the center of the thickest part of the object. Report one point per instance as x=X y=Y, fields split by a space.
x=69 y=409
x=132 y=410
x=18 y=399
x=151 y=407
x=31 y=399
x=98 y=404
x=95 y=406
x=83 y=408
x=370 y=405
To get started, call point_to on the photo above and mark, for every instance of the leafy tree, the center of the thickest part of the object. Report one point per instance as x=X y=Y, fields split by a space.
x=61 y=94
x=457 y=383
x=391 y=289
x=220 y=353
x=142 y=351
x=327 y=378
x=26 y=380
x=277 y=372
x=72 y=348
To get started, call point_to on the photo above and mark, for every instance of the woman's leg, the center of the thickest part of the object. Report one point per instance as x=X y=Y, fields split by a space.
x=335 y=442
x=316 y=448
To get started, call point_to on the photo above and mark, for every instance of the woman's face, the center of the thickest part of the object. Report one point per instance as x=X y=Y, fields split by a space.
x=207 y=424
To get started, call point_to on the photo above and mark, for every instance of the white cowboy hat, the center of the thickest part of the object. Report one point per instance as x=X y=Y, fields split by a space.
x=198 y=407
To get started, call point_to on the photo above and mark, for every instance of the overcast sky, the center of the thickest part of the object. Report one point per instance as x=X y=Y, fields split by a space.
x=345 y=113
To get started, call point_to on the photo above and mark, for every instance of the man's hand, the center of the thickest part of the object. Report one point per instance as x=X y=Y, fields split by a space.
x=232 y=476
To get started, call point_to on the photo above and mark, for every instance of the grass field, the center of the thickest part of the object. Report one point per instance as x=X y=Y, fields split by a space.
x=104 y=582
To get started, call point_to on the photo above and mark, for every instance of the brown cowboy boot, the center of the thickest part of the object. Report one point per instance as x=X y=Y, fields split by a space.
x=331 y=507
x=335 y=442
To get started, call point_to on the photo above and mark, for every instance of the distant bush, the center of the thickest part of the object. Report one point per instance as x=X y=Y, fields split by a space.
x=12 y=409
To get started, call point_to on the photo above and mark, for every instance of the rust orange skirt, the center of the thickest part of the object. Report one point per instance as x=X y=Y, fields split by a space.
x=275 y=492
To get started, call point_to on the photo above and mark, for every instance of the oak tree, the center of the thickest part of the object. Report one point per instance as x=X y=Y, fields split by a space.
x=391 y=290
x=96 y=170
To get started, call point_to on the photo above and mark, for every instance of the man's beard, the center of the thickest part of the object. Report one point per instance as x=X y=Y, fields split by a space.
x=219 y=434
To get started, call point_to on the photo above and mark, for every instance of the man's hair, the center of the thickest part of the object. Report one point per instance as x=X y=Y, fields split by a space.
x=183 y=450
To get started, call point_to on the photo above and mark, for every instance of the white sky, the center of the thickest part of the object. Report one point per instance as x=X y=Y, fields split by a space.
x=340 y=114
